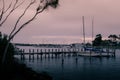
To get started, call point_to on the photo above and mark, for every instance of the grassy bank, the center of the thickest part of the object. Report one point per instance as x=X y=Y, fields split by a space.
x=16 y=71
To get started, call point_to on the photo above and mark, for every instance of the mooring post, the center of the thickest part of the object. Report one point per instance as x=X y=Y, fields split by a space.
x=76 y=54
x=73 y=51
x=64 y=51
x=114 y=51
x=62 y=56
x=76 y=51
x=48 y=53
x=52 y=52
x=33 y=54
x=45 y=53
x=68 y=51
x=41 y=52
x=59 y=52
x=37 y=53
x=55 y=52
x=23 y=52
x=29 y=54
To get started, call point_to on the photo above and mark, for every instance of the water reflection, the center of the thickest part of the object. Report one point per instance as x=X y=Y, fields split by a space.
x=77 y=67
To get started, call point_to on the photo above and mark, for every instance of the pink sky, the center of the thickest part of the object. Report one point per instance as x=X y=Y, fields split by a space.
x=64 y=25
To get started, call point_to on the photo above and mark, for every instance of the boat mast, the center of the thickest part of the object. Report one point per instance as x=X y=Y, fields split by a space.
x=83 y=30
x=92 y=28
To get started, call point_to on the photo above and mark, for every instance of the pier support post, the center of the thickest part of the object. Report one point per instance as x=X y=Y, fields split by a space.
x=29 y=54
x=23 y=54
x=45 y=53
x=37 y=53
x=48 y=53
x=33 y=54
x=52 y=52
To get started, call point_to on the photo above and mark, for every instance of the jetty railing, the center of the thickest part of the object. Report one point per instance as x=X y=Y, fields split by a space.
x=57 y=52
x=52 y=52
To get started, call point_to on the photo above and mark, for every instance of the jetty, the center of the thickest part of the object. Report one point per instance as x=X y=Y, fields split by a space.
x=51 y=52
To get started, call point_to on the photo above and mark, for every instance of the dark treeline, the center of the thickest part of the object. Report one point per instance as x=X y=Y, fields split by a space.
x=42 y=45
x=113 y=40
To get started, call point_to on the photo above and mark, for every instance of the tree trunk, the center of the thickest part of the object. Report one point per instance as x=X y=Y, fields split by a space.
x=5 y=52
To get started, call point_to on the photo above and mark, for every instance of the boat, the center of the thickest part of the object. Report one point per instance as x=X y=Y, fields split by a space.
x=93 y=51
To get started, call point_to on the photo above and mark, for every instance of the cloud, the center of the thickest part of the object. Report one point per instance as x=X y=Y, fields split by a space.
x=67 y=19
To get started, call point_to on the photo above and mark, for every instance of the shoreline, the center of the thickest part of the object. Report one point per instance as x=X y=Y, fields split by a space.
x=18 y=71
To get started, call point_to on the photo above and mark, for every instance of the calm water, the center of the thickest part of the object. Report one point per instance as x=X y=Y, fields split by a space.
x=82 y=68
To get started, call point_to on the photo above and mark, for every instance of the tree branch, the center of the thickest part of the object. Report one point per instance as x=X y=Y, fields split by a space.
x=1 y=15
x=21 y=17
x=23 y=25
x=39 y=9
x=19 y=4
x=8 y=7
x=13 y=9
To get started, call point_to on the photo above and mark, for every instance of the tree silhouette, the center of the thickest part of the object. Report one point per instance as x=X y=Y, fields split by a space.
x=13 y=6
x=3 y=42
x=97 y=41
x=113 y=37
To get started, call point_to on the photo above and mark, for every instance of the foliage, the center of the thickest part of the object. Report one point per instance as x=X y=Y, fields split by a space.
x=3 y=43
x=6 y=48
x=9 y=7
x=113 y=37
x=98 y=40
x=113 y=40
x=105 y=42
x=38 y=6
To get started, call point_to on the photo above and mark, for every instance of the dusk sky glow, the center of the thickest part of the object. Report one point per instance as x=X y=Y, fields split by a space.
x=64 y=24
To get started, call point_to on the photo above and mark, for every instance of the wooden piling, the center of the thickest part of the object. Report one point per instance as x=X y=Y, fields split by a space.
x=37 y=53
x=29 y=54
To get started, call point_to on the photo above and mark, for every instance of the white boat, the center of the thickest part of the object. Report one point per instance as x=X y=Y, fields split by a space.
x=93 y=54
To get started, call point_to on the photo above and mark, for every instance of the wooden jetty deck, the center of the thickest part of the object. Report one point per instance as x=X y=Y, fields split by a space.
x=62 y=52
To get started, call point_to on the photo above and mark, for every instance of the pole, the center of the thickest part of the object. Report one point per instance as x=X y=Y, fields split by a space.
x=83 y=30
x=92 y=28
